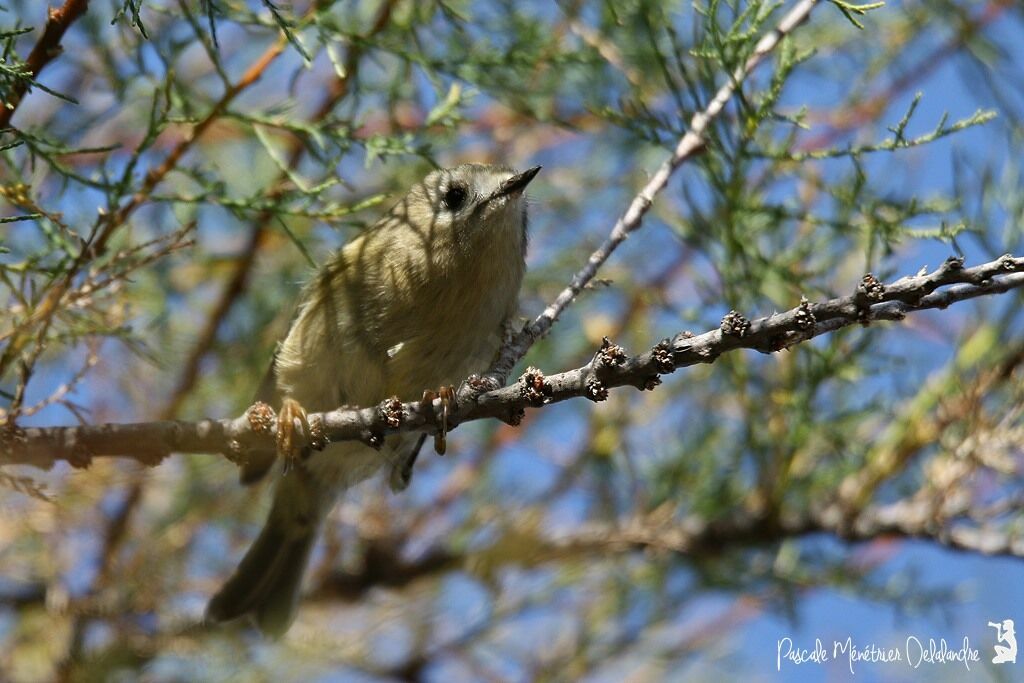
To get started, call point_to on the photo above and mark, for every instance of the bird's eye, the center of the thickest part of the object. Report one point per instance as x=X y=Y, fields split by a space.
x=454 y=197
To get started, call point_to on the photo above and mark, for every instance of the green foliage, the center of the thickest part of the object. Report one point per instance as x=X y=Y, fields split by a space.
x=852 y=11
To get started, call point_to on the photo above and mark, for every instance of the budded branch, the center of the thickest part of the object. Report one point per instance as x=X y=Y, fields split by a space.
x=610 y=368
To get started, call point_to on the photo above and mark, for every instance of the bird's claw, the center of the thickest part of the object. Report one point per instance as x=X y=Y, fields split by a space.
x=288 y=447
x=447 y=396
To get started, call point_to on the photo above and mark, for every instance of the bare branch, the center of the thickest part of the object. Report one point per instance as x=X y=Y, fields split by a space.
x=149 y=442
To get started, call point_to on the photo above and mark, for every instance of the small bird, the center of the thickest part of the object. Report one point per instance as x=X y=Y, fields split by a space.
x=418 y=300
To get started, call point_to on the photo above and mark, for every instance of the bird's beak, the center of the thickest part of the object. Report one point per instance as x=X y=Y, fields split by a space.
x=516 y=183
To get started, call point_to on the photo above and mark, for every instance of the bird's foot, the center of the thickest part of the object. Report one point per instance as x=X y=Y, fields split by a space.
x=290 y=444
x=447 y=396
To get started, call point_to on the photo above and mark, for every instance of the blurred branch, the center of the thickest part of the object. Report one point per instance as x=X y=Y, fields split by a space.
x=149 y=442
x=383 y=565
x=661 y=530
x=693 y=534
x=47 y=47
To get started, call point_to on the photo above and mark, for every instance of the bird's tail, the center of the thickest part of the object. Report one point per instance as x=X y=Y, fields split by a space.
x=267 y=581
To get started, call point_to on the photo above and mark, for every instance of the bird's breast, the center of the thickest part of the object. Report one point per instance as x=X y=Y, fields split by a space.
x=453 y=325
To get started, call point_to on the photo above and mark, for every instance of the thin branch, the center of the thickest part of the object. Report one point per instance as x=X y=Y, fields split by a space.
x=690 y=144
x=149 y=442
x=46 y=49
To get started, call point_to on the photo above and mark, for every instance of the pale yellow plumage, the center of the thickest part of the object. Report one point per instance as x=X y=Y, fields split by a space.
x=415 y=302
